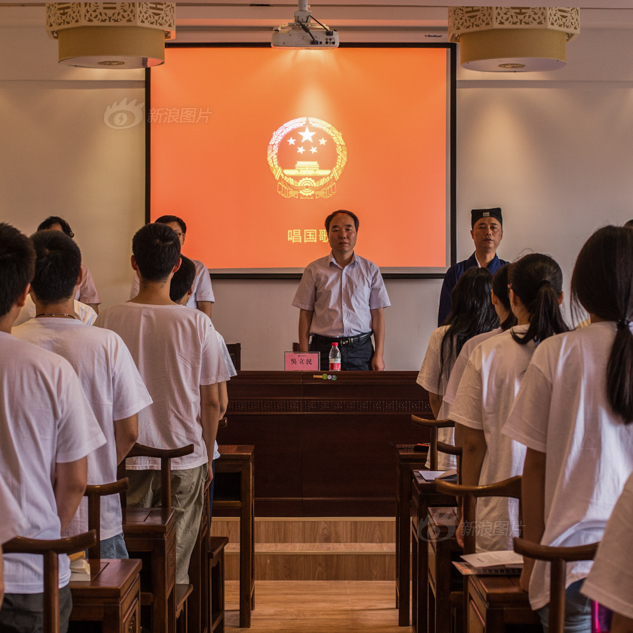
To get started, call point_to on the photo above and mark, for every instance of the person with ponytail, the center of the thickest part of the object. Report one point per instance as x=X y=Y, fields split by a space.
x=501 y=301
x=489 y=385
x=472 y=314
x=573 y=412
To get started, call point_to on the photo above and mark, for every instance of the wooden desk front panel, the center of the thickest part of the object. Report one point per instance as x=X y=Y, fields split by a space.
x=323 y=446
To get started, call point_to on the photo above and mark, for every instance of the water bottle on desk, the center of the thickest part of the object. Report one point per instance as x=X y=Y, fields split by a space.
x=335 y=358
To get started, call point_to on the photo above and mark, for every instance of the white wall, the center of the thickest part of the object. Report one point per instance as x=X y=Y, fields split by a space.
x=552 y=150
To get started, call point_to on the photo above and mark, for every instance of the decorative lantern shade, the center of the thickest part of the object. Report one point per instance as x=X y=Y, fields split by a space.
x=111 y=34
x=513 y=39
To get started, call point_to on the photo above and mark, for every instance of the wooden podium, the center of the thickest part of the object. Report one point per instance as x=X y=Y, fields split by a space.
x=324 y=440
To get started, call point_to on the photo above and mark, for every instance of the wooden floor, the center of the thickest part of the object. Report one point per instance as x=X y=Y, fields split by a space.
x=319 y=607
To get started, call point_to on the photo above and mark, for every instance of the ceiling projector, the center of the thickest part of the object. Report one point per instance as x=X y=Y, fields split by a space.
x=305 y=32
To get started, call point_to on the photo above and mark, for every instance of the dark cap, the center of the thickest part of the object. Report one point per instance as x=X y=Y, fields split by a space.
x=477 y=214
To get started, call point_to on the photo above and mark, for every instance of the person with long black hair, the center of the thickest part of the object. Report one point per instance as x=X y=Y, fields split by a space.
x=489 y=385
x=473 y=313
x=573 y=413
x=500 y=295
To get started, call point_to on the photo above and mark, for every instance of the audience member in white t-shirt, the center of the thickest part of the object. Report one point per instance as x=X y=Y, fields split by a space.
x=47 y=429
x=488 y=388
x=202 y=296
x=105 y=369
x=86 y=291
x=177 y=353
x=472 y=313
x=574 y=412
x=610 y=581
x=12 y=523
x=82 y=311
x=180 y=290
x=501 y=302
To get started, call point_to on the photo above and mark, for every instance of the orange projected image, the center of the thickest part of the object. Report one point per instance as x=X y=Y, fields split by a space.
x=253 y=147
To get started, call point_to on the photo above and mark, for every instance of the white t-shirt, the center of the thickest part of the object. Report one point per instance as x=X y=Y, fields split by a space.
x=176 y=351
x=610 y=581
x=13 y=521
x=114 y=389
x=87 y=291
x=45 y=419
x=484 y=398
x=82 y=312
x=202 y=288
x=428 y=378
x=462 y=360
x=562 y=410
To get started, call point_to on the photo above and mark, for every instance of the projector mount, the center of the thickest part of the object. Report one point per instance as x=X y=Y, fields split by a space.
x=300 y=35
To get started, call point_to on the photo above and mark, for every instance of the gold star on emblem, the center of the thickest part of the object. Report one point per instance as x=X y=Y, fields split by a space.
x=307 y=135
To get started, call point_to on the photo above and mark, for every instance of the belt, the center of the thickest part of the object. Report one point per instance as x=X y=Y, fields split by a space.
x=343 y=340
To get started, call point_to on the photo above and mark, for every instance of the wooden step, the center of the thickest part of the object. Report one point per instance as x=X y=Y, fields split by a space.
x=311 y=529
x=316 y=561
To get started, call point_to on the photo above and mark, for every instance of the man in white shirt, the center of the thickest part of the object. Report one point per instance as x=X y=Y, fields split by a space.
x=86 y=291
x=202 y=296
x=177 y=354
x=180 y=290
x=104 y=366
x=341 y=299
x=47 y=429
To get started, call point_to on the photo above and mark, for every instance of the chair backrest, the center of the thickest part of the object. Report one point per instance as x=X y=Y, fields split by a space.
x=50 y=550
x=433 y=426
x=456 y=451
x=558 y=557
x=235 y=352
x=165 y=455
x=94 y=494
x=507 y=488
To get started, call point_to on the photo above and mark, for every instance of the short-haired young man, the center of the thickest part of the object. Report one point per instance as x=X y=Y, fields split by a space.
x=86 y=292
x=341 y=299
x=105 y=368
x=177 y=353
x=180 y=290
x=202 y=296
x=47 y=429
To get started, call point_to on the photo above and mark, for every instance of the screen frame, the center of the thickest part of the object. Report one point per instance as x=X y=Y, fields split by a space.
x=451 y=149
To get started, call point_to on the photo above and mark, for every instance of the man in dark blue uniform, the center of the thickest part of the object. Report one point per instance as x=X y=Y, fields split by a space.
x=487 y=231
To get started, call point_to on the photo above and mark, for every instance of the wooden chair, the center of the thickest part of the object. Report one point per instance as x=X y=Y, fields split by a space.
x=150 y=534
x=112 y=596
x=488 y=604
x=216 y=588
x=50 y=550
x=235 y=352
x=510 y=488
x=434 y=426
x=558 y=557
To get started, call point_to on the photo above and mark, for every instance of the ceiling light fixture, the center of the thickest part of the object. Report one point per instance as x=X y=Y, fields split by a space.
x=305 y=32
x=111 y=34
x=513 y=39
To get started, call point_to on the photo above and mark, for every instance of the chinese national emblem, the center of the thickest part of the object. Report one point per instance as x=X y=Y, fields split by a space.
x=307 y=157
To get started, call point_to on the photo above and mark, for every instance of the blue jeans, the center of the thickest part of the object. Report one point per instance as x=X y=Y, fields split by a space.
x=114 y=547
x=577 y=611
x=355 y=357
